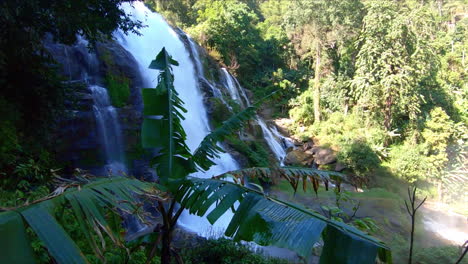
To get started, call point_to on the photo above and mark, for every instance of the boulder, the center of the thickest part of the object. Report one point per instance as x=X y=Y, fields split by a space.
x=339 y=167
x=308 y=145
x=323 y=156
x=298 y=157
x=75 y=61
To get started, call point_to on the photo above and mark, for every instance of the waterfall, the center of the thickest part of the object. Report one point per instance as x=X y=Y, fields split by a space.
x=200 y=72
x=234 y=88
x=272 y=141
x=144 y=48
x=238 y=94
x=109 y=130
x=285 y=142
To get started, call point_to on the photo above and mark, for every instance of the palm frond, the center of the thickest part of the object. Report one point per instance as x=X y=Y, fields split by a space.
x=208 y=148
x=87 y=203
x=162 y=126
x=269 y=221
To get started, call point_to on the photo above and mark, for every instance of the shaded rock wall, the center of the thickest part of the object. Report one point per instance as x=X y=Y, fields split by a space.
x=83 y=65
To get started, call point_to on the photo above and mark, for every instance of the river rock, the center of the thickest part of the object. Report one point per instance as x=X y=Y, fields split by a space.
x=323 y=156
x=298 y=157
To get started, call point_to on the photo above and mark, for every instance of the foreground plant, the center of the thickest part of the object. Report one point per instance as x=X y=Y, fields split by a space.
x=87 y=202
x=257 y=217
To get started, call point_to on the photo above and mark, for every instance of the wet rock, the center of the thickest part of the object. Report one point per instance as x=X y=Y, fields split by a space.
x=75 y=61
x=283 y=125
x=239 y=158
x=185 y=239
x=308 y=145
x=116 y=59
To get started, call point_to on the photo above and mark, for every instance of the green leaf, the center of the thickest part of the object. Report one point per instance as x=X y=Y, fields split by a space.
x=153 y=133
x=87 y=202
x=269 y=221
x=154 y=102
x=57 y=241
x=14 y=244
x=163 y=60
x=343 y=247
x=174 y=160
x=208 y=148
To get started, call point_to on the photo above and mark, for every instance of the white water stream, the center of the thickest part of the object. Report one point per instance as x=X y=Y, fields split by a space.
x=238 y=94
x=109 y=130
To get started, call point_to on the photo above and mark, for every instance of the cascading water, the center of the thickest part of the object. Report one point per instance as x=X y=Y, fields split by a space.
x=285 y=142
x=273 y=143
x=144 y=48
x=237 y=93
x=199 y=70
x=109 y=130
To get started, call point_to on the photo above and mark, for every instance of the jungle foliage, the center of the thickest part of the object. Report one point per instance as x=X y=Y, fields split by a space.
x=257 y=217
x=387 y=70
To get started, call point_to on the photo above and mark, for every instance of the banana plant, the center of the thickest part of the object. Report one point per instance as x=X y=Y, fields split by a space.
x=87 y=202
x=259 y=218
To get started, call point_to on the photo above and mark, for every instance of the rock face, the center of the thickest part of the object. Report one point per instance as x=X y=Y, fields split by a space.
x=299 y=157
x=114 y=58
x=78 y=143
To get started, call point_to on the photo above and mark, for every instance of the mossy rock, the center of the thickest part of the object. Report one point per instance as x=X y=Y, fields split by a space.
x=220 y=112
x=255 y=152
x=118 y=87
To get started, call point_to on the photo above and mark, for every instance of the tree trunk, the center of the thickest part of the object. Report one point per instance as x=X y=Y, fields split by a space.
x=166 y=247
x=388 y=113
x=317 y=84
x=439 y=6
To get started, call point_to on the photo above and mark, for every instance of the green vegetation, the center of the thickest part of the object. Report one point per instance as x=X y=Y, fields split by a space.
x=253 y=219
x=382 y=83
x=257 y=155
x=119 y=90
x=34 y=94
x=225 y=251
x=257 y=218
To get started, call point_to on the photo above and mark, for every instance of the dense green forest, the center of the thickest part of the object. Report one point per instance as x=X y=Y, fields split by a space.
x=382 y=84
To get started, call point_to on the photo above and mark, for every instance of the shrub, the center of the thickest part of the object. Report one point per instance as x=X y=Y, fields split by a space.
x=436 y=255
x=359 y=157
x=225 y=251
x=253 y=150
x=360 y=142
